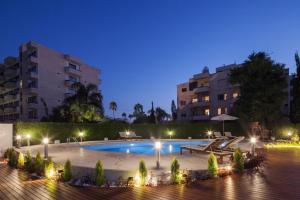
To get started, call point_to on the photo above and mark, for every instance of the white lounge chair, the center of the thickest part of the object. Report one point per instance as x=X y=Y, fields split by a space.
x=218 y=135
x=227 y=134
x=128 y=135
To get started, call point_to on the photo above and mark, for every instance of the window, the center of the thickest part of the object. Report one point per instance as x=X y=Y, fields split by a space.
x=183 y=90
x=219 y=111
x=74 y=79
x=235 y=95
x=193 y=85
x=182 y=103
x=194 y=100
x=73 y=66
x=206 y=98
x=32 y=99
x=222 y=97
x=206 y=112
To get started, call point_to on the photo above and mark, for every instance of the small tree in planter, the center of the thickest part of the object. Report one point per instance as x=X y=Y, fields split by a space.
x=99 y=174
x=67 y=171
x=212 y=168
x=13 y=159
x=49 y=168
x=175 y=172
x=238 y=160
x=39 y=164
x=143 y=172
x=21 y=161
x=7 y=153
x=29 y=163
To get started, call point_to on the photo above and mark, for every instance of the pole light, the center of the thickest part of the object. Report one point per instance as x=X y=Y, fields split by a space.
x=28 y=136
x=209 y=133
x=19 y=138
x=81 y=135
x=157 y=147
x=170 y=134
x=253 y=142
x=46 y=142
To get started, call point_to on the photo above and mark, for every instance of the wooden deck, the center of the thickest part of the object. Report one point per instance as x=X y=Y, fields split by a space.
x=280 y=180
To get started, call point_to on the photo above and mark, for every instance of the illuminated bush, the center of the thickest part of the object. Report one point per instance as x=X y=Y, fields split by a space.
x=21 y=161
x=39 y=164
x=212 y=168
x=143 y=172
x=238 y=161
x=12 y=159
x=67 y=171
x=99 y=174
x=29 y=163
x=295 y=138
x=175 y=172
x=49 y=168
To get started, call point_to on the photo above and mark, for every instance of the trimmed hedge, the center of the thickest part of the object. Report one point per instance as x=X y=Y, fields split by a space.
x=110 y=129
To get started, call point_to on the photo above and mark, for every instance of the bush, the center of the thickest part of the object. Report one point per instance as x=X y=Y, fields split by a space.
x=212 y=168
x=13 y=159
x=29 y=163
x=39 y=164
x=175 y=172
x=99 y=174
x=67 y=171
x=143 y=172
x=7 y=153
x=238 y=161
x=21 y=161
x=49 y=168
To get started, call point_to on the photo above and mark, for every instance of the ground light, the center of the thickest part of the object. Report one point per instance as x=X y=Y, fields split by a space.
x=19 y=138
x=253 y=142
x=46 y=142
x=209 y=133
x=28 y=137
x=157 y=148
x=170 y=133
x=81 y=135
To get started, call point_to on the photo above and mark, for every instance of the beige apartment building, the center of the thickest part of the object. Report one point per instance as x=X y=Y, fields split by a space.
x=38 y=80
x=209 y=94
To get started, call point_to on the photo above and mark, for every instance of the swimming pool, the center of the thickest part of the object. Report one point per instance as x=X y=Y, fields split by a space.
x=145 y=147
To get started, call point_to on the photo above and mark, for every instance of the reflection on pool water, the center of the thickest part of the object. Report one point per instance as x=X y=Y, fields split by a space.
x=168 y=147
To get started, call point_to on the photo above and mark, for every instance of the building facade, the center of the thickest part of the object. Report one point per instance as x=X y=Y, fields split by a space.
x=209 y=94
x=38 y=80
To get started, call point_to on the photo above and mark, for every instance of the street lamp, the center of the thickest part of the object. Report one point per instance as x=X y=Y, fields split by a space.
x=253 y=142
x=157 y=147
x=170 y=134
x=209 y=133
x=19 y=138
x=28 y=136
x=81 y=134
x=46 y=142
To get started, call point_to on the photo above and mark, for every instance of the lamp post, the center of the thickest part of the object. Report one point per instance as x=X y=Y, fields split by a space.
x=157 y=147
x=28 y=136
x=170 y=134
x=209 y=133
x=19 y=138
x=253 y=141
x=46 y=142
x=81 y=134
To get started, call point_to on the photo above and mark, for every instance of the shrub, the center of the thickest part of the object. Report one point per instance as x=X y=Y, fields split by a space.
x=175 y=172
x=238 y=160
x=21 y=161
x=143 y=172
x=67 y=171
x=39 y=164
x=212 y=168
x=29 y=163
x=7 y=153
x=99 y=174
x=13 y=159
x=295 y=138
x=49 y=168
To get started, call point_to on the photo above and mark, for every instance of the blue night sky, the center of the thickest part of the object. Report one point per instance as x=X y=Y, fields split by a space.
x=144 y=48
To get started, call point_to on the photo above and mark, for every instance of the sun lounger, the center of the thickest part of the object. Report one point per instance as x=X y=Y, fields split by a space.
x=218 y=135
x=129 y=135
x=227 y=134
x=199 y=148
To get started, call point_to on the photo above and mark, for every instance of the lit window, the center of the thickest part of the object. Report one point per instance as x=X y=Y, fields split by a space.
x=183 y=89
x=225 y=96
x=206 y=112
x=194 y=100
x=206 y=98
x=219 y=111
x=235 y=95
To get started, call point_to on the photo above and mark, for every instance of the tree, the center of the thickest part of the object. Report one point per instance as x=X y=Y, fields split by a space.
x=173 y=110
x=39 y=164
x=124 y=115
x=113 y=106
x=175 y=172
x=263 y=85
x=212 y=168
x=143 y=172
x=161 y=114
x=295 y=103
x=99 y=174
x=238 y=160
x=152 y=114
x=21 y=161
x=67 y=171
x=139 y=114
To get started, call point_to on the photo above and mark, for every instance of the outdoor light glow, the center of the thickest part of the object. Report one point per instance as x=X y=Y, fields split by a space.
x=127 y=151
x=228 y=168
x=127 y=133
x=289 y=133
x=18 y=137
x=81 y=134
x=170 y=133
x=253 y=140
x=158 y=145
x=46 y=140
x=170 y=148
x=209 y=132
x=50 y=173
x=28 y=136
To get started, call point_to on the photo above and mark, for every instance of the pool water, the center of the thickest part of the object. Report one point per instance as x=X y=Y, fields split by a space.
x=168 y=147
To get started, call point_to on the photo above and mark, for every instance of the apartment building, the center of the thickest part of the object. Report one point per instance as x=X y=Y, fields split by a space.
x=38 y=80
x=209 y=94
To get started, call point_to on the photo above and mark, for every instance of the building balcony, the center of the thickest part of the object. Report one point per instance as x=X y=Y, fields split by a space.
x=200 y=117
x=202 y=89
x=73 y=71
x=200 y=103
x=69 y=82
x=33 y=60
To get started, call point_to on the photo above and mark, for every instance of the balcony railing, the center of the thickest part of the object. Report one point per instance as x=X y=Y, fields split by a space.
x=33 y=75
x=71 y=70
x=201 y=89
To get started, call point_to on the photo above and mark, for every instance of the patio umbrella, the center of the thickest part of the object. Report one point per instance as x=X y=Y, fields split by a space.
x=223 y=118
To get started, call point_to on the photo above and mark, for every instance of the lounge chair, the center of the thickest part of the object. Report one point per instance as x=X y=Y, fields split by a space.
x=218 y=135
x=228 y=145
x=228 y=134
x=201 y=148
x=129 y=135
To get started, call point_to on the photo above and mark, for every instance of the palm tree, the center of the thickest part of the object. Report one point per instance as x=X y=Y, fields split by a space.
x=113 y=106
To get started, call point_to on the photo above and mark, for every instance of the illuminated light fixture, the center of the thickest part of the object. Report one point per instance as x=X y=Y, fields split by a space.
x=170 y=133
x=170 y=148
x=253 y=140
x=228 y=168
x=127 y=133
x=50 y=173
x=28 y=136
x=289 y=133
x=19 y=137
x=209 y=133
x=81 y=135
x=157 y=147
x=46 y=142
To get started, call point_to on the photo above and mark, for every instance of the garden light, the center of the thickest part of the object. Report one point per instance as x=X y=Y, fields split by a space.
x=50 y=173
x=19 y=138
x=157 y=147
x=253 y=141
x=46 y=142
x=127 y=133
x=28 y=136
x=209 y=133
x=170 y=133
x=81 y=135
x=228 y=168
x=289 y=134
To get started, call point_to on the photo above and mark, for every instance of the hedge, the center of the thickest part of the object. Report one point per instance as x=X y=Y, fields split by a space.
x=110 y=129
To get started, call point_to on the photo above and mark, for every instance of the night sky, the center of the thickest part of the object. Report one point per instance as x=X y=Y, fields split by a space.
x=145 y=48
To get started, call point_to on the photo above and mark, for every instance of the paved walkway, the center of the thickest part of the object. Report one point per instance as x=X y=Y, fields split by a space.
x=280 y=180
